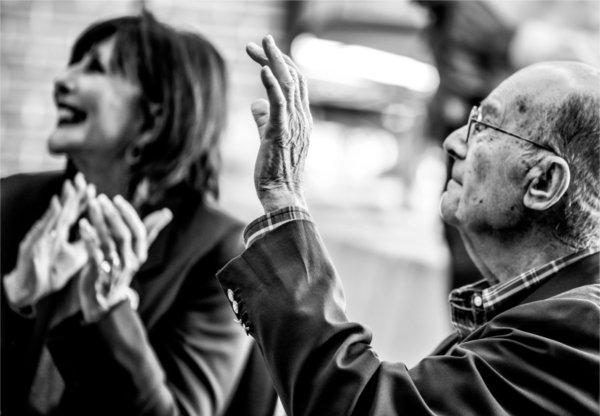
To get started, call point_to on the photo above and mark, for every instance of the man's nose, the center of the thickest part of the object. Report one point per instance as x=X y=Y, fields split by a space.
x=456 y=143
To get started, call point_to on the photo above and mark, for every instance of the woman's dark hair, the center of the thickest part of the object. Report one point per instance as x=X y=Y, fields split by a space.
x=183 y=81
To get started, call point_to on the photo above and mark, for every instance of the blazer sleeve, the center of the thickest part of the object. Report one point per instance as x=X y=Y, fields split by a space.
x=188 y=365
x=290 y=297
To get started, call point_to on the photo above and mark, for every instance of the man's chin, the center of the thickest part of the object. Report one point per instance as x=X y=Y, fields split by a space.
x=447 y=209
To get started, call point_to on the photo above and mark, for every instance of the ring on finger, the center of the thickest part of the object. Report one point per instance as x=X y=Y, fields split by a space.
x=106 y=267
x=115 y=260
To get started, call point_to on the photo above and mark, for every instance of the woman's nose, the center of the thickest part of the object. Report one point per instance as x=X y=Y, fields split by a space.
x=456 y=143
x=65 y=83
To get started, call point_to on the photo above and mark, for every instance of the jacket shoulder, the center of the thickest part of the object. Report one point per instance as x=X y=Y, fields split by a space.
x=204 y=231
x=24 y=198
x=570 y=318
x=28 y=187
x=227 y=232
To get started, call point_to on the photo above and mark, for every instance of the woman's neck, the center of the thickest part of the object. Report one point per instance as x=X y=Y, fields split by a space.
x=111 y=177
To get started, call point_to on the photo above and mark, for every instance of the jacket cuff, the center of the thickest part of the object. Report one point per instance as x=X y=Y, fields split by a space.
x=271 y=221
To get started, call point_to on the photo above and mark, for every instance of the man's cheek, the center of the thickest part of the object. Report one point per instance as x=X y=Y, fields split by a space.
x=481 y=166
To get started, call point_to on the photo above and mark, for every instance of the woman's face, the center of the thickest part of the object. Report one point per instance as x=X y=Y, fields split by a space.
x=99 y=111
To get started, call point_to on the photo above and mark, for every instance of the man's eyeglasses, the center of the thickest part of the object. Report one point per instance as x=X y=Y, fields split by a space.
x=475 y=123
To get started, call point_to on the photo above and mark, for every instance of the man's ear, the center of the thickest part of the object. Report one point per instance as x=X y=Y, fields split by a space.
x=547 y=182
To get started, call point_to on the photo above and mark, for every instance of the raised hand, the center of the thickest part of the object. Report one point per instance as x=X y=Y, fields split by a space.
x=47 y=260
x=284 y=124
x=117 y=243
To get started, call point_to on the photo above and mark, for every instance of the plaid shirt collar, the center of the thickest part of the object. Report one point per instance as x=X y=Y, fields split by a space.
x=475 y=304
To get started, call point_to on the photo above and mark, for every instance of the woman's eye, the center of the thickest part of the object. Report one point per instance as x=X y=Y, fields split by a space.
x=95 y=66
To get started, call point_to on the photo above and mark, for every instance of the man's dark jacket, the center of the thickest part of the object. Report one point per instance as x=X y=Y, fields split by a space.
x=180 y=353
x=538 y=358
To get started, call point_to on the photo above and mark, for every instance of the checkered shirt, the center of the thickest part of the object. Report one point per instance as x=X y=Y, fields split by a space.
x=475 y=304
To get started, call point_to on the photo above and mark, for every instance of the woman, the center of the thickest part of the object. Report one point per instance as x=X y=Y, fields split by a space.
x=111 y=314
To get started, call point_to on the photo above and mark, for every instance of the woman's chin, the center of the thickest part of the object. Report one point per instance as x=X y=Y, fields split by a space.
x=58 y=142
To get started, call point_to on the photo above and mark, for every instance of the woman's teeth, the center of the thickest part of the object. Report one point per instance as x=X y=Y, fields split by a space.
x=68 y=115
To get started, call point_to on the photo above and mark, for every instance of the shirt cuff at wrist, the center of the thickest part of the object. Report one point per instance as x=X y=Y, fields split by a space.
x=272 y=220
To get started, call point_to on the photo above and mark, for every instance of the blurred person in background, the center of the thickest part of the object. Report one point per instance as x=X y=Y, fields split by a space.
x=104 y=313
x=524 y=193
x=478 y=43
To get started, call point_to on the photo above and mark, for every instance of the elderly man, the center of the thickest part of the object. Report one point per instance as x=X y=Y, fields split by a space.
x=523 y=193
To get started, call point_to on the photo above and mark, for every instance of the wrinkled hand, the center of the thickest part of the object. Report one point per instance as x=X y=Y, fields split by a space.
x=47 y=260
x=117 y=243
x=284 y=125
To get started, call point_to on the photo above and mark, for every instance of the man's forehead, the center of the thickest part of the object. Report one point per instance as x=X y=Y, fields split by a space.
x=507 y=102
x=491 y=108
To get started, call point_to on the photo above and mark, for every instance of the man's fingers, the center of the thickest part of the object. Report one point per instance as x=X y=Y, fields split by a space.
x=301 y=85
x=278 y=64
x=285 y=70
x=277 y=101
x=257 y=54
x=297 y=98
x=260 y=113
x=135 y=224
x=155 y=222
x=304 y=96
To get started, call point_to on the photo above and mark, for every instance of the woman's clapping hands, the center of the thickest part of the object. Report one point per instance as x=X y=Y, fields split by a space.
x=47 y=260
x=108 y=250
x=117 y=243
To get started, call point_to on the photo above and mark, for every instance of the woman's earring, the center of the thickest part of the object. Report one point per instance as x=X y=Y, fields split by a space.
x=134 y=154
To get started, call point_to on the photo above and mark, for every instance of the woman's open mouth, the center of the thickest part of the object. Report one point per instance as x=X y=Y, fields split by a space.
x=69 y=115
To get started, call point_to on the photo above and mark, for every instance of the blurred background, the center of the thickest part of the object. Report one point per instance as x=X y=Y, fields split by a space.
x=388 y=81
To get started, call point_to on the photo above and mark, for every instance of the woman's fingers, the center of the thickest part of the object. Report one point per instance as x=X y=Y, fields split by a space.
x=84 y=190
x=70 y=210
x=155 y=222
x=79 y=182
x=92 y=242
x=44 y=224
x=99 y=224
x=119 y=231
x=136 y=226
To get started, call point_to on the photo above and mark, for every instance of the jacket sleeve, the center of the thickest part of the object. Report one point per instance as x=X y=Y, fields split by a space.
x=291 y=299
x=188 y=364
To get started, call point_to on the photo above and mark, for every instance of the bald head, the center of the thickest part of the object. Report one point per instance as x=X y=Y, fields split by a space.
x=527 y=99
x=558 y=104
